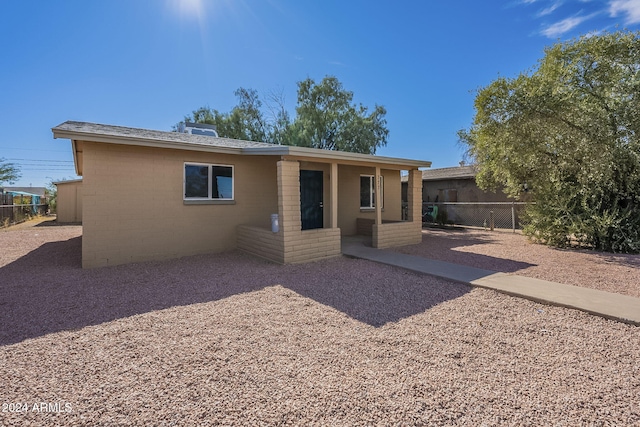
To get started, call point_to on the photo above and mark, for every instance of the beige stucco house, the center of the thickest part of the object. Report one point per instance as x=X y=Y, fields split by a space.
x=153 y=195
x=69 y=201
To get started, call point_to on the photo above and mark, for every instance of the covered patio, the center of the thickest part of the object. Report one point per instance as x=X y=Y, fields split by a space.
x=314 y=213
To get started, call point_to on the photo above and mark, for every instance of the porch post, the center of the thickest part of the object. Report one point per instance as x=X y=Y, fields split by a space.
x=378 y=199
x=289 y=196
x=414 y=196
x=333 y=177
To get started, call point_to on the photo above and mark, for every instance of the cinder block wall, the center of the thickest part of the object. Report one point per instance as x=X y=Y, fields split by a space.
x=414 y=196
x=396 y=234
x=69 y=202
x=300 y=246
x=312 y=245
x=408 y=232
x=262 y=243
x=134 y=209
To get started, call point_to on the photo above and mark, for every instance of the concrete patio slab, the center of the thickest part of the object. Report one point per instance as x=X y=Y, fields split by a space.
x=606 y=304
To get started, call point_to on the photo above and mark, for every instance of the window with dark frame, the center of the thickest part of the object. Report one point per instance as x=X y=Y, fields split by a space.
x=208 y=182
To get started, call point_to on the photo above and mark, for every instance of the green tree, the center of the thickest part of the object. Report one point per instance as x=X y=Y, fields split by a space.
x=52 y=196
x=245 y=121
x=9 y=172
x=325 y=118
x=568 y=131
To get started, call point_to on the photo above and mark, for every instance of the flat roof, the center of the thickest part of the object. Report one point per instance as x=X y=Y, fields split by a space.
x=456 y=172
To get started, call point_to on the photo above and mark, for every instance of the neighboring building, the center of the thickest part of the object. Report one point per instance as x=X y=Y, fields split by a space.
x=452 y=195
x=153 y=195
x=18 y=204
x=456 y=184
x=40 y=192
x=69 y=201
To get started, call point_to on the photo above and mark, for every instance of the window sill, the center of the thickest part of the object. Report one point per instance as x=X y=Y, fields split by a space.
x=208 y=202
x=364 y=210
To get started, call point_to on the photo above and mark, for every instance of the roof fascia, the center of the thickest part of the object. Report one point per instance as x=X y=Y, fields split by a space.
x=68 y=181
x=143 y=142
x=74 y=150
x=328 y=156
x=448 y=178
x=331 y=156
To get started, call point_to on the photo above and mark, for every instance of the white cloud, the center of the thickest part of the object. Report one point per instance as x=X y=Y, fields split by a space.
x=629 y=8
x=567 y=24
x=549 y=10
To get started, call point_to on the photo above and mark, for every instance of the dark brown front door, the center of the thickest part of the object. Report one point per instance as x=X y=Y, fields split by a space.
x=311 y=205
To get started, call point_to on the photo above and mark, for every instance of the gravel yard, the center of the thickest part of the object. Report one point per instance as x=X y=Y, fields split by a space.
x=512 y=253
x=232 y=340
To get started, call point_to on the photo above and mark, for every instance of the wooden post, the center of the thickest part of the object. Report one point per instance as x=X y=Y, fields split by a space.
x=378 y=199
x=333 y=177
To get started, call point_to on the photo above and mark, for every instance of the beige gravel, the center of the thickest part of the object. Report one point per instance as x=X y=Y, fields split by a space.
x=229 y=339
x=513 y=253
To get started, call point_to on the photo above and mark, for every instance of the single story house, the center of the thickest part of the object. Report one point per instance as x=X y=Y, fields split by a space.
x=69 y=201
x=455 y=184
x=452 y=195
x=17 y=204
x=31 y=191
x=153 y=195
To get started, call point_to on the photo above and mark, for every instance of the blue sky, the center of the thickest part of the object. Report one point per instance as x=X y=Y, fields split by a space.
x=148 y=63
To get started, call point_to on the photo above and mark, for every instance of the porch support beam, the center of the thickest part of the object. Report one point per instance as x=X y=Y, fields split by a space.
x=414 y=196
x=289 y=196
x=378 y=199
x=333 y=196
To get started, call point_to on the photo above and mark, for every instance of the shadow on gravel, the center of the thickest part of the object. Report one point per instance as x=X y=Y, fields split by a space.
x=54 y=223
x=441 y=246
x=47 y=291
x=622 y=260
x=378 y=294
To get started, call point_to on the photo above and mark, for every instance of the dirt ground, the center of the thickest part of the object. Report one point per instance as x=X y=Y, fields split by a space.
x=228 y=339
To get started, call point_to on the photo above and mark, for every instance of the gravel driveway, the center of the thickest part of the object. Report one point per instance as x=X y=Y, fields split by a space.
x=232 y=340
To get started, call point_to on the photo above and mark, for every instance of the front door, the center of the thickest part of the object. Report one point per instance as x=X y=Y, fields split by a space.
x=311 y=199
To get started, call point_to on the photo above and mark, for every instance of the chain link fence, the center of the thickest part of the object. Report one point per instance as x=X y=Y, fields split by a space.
x=481 y=214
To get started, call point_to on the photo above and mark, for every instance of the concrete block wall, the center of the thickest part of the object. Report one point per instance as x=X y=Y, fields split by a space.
x=414 y=196
x=300 y=246
x=311 y=245
x=261 y=242
x=396 y=234
x=364 y=226
x=69 y=203
x=133 y=207
x=289 y=196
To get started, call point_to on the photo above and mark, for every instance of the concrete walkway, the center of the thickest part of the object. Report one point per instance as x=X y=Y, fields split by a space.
x=606 y=304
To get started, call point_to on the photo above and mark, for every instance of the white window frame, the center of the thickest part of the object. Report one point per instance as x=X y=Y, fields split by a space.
x=372 y=180
x=209 y=197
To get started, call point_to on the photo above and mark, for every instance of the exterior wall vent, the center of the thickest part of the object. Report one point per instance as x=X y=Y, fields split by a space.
x=200 y=129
